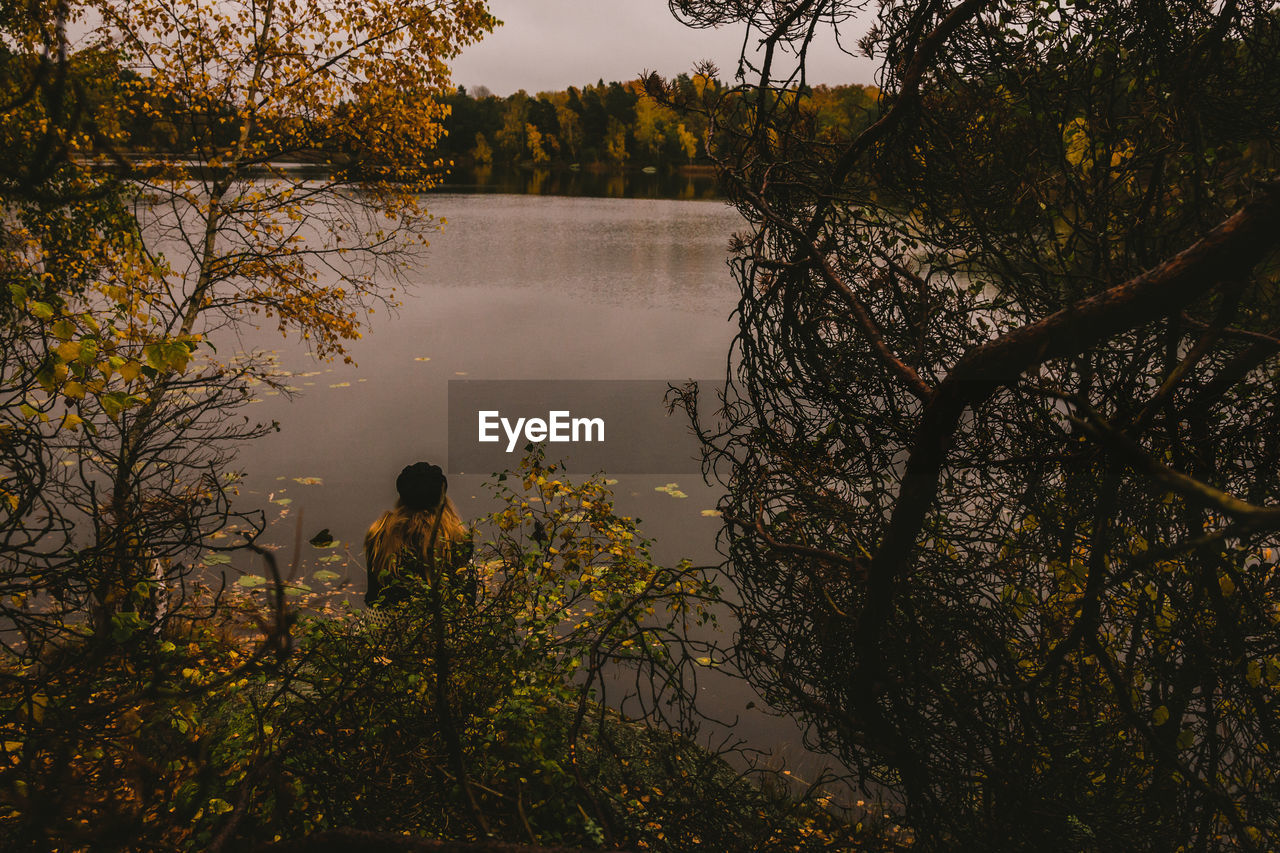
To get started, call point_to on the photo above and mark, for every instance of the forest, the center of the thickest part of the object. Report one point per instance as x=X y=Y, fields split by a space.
x=613 y=126
x=998 y=449
x=617 y=125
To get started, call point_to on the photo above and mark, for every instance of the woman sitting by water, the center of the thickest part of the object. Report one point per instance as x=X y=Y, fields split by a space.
x=422 y=537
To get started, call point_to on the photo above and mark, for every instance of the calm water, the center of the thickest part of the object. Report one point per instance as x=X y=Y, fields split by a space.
x=514 y=287
x=631 y=183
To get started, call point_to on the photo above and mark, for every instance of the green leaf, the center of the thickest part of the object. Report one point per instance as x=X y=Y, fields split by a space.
x=154 y=355
x=114 y=402
x=88 y=350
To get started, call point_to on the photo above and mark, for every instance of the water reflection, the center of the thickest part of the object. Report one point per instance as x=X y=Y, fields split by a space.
x=685 y=185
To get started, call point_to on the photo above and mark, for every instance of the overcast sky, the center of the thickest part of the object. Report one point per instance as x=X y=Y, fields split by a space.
x=553 y=44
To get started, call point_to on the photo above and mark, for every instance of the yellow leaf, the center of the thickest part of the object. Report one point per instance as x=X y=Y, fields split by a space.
x=129 y=370
x=1253 y=673
x=218 y=806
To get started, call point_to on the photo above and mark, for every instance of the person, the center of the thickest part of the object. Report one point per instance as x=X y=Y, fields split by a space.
x=422 y=536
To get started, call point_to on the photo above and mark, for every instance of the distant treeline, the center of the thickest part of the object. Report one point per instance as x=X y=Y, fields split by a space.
x=605 y=125
x=614 y=124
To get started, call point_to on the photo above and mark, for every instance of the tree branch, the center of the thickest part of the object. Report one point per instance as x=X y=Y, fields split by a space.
x=1225 y=254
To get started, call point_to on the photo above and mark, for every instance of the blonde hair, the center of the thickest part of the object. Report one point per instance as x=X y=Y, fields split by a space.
x=409 y=529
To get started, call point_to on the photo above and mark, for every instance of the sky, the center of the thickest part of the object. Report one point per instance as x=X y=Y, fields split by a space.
x=547 y=45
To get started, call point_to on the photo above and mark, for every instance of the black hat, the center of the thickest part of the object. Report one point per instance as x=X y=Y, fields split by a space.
x=421 y=486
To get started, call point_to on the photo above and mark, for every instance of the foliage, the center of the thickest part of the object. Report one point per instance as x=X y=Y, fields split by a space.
x=118 y=411
x=1002 y=482
x=557 y=707
x=118 y=416
x=617 y=123
x=517 y=714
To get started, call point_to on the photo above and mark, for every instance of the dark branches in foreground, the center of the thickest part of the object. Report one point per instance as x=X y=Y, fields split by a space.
x=1000 y=438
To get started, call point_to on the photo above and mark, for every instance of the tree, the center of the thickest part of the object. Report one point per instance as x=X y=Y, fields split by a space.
x=1002 y=493
x=482 y=153
x=250 y=85
x=122 y=268
x=615 y=142
x=513 y=137
x=567 y=119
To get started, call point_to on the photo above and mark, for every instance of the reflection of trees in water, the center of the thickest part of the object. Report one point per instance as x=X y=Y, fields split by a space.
x=584 y=182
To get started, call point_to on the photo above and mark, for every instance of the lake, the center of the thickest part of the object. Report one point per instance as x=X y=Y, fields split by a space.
x=514 y=287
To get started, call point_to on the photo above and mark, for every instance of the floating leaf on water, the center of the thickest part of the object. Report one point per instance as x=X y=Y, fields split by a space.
x=340 y=385
x=329 y=558
x=422 y=358
x=217 y=559
x=283 y=501
x=251 y=581
x=326 y=575
x=309 y=481
x=711 y=513
x=610 y=481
